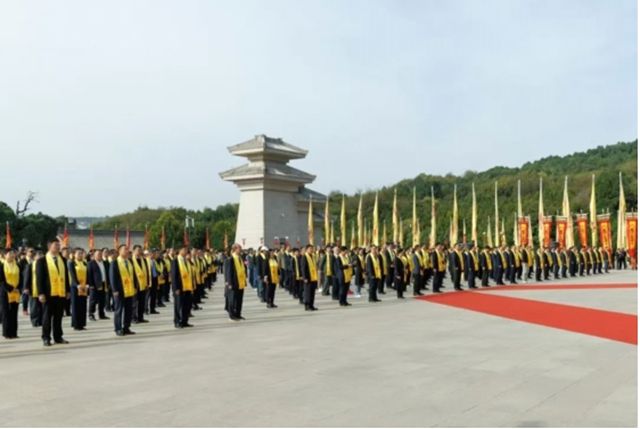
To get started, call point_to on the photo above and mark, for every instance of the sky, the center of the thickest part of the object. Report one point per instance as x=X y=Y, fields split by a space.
x=109 y=105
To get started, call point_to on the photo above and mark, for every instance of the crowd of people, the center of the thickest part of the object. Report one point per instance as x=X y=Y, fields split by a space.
x=133 y=283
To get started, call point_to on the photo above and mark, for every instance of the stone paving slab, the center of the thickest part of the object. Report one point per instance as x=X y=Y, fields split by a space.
x=396 y=363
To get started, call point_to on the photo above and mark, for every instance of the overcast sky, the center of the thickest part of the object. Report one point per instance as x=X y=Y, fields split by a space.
x=107 y=105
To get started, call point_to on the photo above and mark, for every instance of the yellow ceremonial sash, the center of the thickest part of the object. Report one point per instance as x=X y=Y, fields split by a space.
x=81 y=276
x=126 y=275
x=328 y=264
x=185 y=274
x=160 y=271
x=385 y=268
x=348 y=271
x=517 y=258
x=141 y=274
x=34 y=284
x=297 y=268
x=487 y=256
x=57 y=275
x=411 y=264
x=313 y=273
x=476 y=264
x=240 y=274
x=12 y=277
x=461 y=259
x=442 y=265
x=273 y=268
x=504 y=261
x=376 y=267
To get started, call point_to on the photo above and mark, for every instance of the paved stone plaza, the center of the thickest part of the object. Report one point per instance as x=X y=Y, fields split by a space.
x=411 y=363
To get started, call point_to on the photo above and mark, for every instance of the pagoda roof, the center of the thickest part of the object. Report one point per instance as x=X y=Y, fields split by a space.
x=262 y=144
x=267 y=171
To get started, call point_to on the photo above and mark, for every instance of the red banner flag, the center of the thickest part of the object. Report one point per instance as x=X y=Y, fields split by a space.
x=128 y=238
x=546 y=225
x=185 y=237
x=632 y=237
x=65 y=237
x=116 y=238
x=226 y=241
x=146 y=237
x=523 y=231
x=604 y=227
x=561 y=231
x=91 y=239
x=8 y=238
x=583 y=228
x=207 y=240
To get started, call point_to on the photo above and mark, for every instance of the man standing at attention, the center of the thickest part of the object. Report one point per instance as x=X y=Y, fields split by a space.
x=53 y=288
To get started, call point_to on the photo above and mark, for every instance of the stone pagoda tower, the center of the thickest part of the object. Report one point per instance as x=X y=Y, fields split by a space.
x=274 y=202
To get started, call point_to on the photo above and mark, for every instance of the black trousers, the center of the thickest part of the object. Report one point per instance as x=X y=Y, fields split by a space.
x=437 y=280
x=328 y=281
x=335 y=288
x=381 y=285
x=417 y=281
x=9 y=316
x=344 y=291
x=153 y=298
x=141 y=304
x=399 y=285
x=310 y=293
x=185 y=302
x=471 y=279
x=122 y=312
x=78 y=309
x=52 y=312
x=485 y=278
x=270 y=292
x=35 y=311
x=374 y=284
x=235 y=303
x=97 y=299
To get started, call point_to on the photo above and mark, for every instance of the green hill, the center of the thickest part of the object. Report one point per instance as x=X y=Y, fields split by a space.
x=604 y=161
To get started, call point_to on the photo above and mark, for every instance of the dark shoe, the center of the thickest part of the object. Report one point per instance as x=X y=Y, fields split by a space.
x=104 y=318
x=473 y=287
x=128 y=332
x=62 y=341
x=46 y=343
x=120 y=333
x=92 y=317
x=161 y=305
x=143 y=321
x=437 y=291
x=187 y=325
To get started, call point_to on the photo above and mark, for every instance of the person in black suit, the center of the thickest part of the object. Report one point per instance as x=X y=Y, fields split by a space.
x=389 y=260
x=399 y=273
x=79 y=290
x=374 y=273
x=471 y=266
x=182 y=282
x=235 y=281
x=456 y=260
x=52 y=279
x=439 y=263
x=97 y=279
x=123 y=283
x=29 y=286
x=416 y=274
x=10 y=289
x=486 y=265
x=262 y=265
x=344 y=272
x=309 y=274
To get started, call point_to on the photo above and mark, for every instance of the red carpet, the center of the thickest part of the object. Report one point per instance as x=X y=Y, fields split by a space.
x=599 y=323
x=530 y=286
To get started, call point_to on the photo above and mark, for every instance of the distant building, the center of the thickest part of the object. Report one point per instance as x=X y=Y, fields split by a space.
x=101 y=238
x=274 y=202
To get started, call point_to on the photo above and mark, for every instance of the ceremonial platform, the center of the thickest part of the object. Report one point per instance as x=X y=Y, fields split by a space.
x=559 y=353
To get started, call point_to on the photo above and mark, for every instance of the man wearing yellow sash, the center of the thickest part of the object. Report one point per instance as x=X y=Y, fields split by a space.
x=123 y=287
x=97 y=279
x=374 y=273
x=415 y=265
x=344 y=273
x=10 y=281
x=235 y=280
x=438 y=260
x=309 y=273
x=29 y=285
x=486 y=265
x=52 y=279
x=79 y=290
x=182 y=282
x=143 y=281
x=297 y=277
x=273 y=277
x=400 y=271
